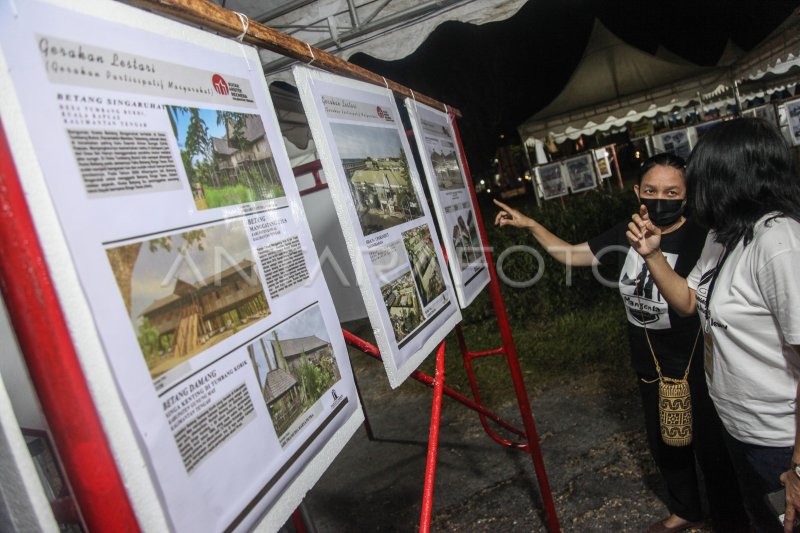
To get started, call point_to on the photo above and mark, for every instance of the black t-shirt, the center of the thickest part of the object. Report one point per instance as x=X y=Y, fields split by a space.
x=672 y=336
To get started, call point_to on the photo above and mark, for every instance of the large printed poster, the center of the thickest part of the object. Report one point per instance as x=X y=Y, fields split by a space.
x=164 y=163
x=581 y=172
x=381 y=206
x=452 y=201
x=551 y=180
x=793 y=115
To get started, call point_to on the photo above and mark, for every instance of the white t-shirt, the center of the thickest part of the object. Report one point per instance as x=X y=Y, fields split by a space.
x=752 y=369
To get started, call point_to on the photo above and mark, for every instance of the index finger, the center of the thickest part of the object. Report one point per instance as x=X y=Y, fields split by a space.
x=501 y=204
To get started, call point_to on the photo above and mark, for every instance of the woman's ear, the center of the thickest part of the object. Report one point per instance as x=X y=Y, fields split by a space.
x=636 y=190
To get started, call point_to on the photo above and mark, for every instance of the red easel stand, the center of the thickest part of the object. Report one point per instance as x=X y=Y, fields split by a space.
x=52 y=362
x=531 y=444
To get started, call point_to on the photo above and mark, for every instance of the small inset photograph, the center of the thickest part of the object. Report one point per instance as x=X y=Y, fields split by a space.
x=294 y=365
x=187 y=291
x=402 y=303
x=378 y=176
x=474 y=237
x=226 y=156
x=446 y=169
x=424 y=264
x=461 y=244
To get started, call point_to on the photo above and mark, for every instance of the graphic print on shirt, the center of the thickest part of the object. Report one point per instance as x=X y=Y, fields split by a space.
x=644 y=304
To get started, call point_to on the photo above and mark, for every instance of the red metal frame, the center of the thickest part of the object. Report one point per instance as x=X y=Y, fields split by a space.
x=531 y=444
x=55 y=370
x=510 y=351
x=52 y=362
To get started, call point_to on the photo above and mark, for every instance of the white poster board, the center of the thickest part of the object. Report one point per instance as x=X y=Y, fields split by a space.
x=452 y=202
x=676 y=141
x=381 y=206
x=550 y=180
x=152 y=160
x=793 y=117
x=603 y=160
x=581 y=172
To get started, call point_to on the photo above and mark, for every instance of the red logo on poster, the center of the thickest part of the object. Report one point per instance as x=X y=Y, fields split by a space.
x=220 y=85
x=380 y=112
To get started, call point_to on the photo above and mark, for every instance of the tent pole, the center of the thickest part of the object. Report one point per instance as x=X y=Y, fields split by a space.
x=530 y=169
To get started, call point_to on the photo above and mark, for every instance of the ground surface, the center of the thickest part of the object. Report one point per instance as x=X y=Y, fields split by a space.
x=591 y=432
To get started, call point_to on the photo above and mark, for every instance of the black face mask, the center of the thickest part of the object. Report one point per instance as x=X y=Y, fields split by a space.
x=663 y=212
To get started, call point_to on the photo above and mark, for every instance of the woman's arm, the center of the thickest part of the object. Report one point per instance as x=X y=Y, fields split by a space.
x=789 y=479
x=559 y=249
x=645 y=238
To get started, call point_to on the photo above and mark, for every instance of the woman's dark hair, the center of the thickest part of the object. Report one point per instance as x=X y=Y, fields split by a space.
x=661 y=160
x=740 y=171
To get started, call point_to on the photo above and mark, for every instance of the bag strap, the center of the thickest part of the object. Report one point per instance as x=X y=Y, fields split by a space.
x=650 y=344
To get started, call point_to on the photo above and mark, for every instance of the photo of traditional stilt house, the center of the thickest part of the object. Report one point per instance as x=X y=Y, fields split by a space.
x=226 y=156
x=245 y=157
x=293 y=374
x=196 y=314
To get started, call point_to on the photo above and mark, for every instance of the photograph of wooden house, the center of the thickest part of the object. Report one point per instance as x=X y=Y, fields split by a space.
x=377 y=173
x=188 y=291
x=424 y=264
x=445 y=166
x=226 y=155
x=294 y=365
x=402 y=303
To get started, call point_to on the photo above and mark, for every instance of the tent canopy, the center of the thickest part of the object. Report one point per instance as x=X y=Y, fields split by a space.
x=388 y=30
x=615 y=83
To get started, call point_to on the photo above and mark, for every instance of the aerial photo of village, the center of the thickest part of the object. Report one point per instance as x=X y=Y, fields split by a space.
x=427 y=274
x=402 y=303
x=378 y=176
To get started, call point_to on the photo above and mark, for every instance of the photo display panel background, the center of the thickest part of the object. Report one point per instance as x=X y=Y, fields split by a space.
x=452 y=202
x=381 y=206
x=551 y=180
x=168 y=212
x=580 y=172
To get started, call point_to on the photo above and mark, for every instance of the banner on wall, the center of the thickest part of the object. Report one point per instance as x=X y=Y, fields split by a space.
x=381 y=207
x=162 y=156
x=603 y=160
x=452 y=201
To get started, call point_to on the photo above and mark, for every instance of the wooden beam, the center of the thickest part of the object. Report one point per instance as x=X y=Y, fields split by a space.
x=212 y=17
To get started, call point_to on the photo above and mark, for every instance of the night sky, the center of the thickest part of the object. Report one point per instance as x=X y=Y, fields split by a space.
x=501 y=73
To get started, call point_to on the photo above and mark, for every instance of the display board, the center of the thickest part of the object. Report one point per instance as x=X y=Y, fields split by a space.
x=382 y=210
x=581 y=172
x=452 y=202
x=603 y=160
x=766 y=111
x=551 y=180
x=181 y=254
x=793 y=118
x=679 y=142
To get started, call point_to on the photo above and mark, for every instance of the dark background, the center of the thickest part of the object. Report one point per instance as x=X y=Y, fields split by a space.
x=501 y=73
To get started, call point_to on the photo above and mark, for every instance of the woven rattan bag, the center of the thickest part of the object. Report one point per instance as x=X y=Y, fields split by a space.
x=675 y=410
